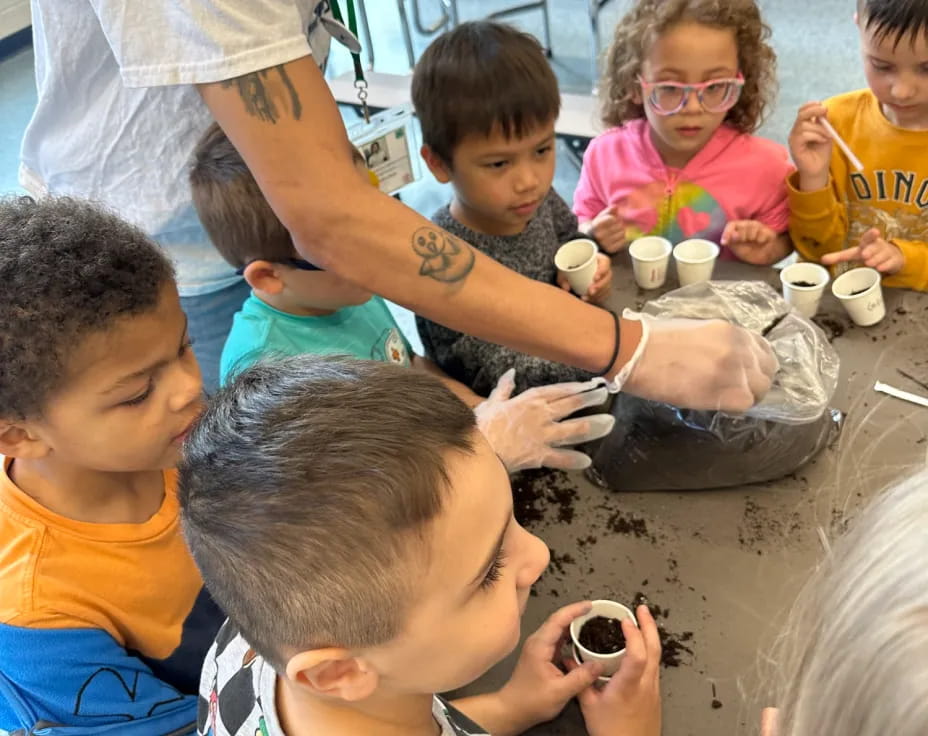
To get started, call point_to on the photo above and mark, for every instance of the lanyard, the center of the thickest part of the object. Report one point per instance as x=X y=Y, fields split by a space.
x=360 y=83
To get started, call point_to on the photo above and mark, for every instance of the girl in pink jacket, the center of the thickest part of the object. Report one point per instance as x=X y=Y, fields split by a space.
x=687 y=83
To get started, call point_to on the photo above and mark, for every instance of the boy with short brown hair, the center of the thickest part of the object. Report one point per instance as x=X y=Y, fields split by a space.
x=365 y=549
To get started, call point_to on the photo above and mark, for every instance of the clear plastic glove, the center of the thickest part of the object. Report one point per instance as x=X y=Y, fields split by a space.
x=698 y=364
x=527 y=431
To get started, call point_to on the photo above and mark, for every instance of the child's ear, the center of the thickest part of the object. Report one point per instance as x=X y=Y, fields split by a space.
x=333 y=673
x=440 y=170
x=16 y=440
x=264 y=276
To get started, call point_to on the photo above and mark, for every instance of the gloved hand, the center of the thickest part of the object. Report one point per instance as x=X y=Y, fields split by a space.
x=698 y=364
x=527 y=431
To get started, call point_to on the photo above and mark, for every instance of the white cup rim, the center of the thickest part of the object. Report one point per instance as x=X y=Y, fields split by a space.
x=667 y=249
x=853 y=297
x=696 y=261
x=585 y=264
x=575 y=629
x=821 y=270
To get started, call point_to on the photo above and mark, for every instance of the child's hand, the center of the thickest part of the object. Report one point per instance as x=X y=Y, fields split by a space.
x=608 y=230
x=630 y=703
x=872 y=251
x=602 y=281
x=753 y=242
x=538 y=690
x=768 y=722
x=600 y=286
x=810 y=146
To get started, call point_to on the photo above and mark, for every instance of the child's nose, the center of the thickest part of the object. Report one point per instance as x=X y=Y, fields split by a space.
x=189 y=387
x=527 y=179
x=537 y=557
x=902 y=89
x=692 y=103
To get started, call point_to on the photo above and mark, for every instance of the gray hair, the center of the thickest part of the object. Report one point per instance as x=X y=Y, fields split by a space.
x=304 y=489
x=854 y=661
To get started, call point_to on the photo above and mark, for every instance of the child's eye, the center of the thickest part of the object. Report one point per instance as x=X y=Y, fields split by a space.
x=136 y=400
x=493 y=574
x=544 y=149
x=495 y=164
x=880 y=67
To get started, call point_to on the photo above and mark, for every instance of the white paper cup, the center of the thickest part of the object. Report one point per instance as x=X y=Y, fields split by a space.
x=610 y=609
x=695 y=260
x=650 y=256
x=804 y=299
x=576 y=259
x=861 y=293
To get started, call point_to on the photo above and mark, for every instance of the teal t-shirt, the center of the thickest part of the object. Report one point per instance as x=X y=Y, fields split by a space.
x=367 y=331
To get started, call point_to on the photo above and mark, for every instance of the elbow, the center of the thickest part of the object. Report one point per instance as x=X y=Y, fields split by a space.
x=315 y=226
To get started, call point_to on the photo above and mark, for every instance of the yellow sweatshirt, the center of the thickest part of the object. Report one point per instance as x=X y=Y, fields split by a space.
x=890 y=194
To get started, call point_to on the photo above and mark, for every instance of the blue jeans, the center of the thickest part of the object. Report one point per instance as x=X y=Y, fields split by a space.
x=209 y=319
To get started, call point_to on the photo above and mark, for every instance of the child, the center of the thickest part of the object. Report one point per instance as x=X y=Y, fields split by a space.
x=365 y=549
x=296 y=308
x=853 y=660
x=493 y=139
x=104 y=620
x=686 y=84
x=874 y=216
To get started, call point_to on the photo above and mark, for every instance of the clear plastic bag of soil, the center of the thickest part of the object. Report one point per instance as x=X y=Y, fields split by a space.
x=656 y=446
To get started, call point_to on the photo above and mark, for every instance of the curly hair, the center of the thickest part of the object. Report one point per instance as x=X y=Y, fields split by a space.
x=648 y=19
x=68 y=269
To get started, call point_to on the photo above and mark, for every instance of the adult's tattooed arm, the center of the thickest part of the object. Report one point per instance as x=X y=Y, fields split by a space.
x=286 y=125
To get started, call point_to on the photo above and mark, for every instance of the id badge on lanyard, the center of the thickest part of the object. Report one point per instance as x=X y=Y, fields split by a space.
x=388 y=142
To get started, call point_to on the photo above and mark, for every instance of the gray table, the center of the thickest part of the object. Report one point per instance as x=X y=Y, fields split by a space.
x=725 y=565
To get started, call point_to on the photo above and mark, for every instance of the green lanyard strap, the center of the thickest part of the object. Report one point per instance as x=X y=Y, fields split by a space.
x=360 y=83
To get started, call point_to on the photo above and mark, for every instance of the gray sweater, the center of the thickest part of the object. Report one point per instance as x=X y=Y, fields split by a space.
x=478 y=363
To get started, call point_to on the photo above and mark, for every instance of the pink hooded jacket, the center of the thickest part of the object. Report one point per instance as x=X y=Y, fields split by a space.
x=734 y=177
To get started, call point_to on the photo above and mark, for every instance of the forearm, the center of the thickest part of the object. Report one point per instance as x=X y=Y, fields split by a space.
x=818 y=221
x=302 y=162
x=463 y=392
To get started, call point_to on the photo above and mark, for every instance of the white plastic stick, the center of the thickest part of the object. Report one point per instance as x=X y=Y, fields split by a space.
x=900 y=394
x=855 y=162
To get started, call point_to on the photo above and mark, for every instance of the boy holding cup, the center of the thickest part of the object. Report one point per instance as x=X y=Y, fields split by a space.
x=493 y=141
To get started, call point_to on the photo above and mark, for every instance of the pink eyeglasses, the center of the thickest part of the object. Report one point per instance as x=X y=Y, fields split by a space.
x=716 y=95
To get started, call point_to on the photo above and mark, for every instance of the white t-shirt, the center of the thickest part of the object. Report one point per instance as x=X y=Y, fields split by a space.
x=118 y=118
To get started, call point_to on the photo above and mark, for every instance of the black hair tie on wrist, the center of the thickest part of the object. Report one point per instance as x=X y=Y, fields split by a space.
x=615 y=350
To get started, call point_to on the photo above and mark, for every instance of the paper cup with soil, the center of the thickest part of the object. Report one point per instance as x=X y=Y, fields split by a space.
x=861 y=293
x=803 y=286
x=576 y=259
x=597 y=636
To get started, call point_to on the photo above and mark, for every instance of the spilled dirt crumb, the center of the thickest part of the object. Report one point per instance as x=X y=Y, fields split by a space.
x=675 y=647
x=534 y=492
